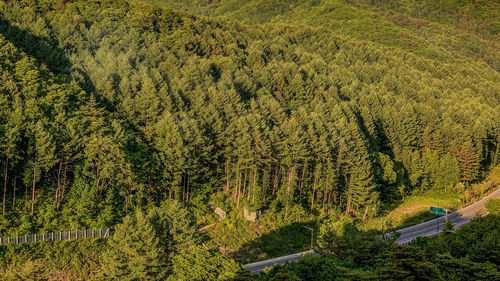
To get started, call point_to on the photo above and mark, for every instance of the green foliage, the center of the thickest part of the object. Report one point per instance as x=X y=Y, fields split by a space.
x=166 y=104
x=493 y=206
x=174 y=225
x=407 y=263
x=478 y=241
x=200 y=264
x=135 y=251
x=285 y=276
x=462 y=268
x=314 y=268
x=470 y=252
x=80 y=259
x=343 y=240
x=108 y=107
x=145 y=245
x=448 y=227
x=432 y=29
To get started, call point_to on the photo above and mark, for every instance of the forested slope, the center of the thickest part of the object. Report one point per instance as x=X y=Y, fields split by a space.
x=439 y=30
x=159 y=104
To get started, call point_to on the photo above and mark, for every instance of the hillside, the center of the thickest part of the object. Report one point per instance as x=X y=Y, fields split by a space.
x=441 y=30
x=224 y=90
x=326 y=108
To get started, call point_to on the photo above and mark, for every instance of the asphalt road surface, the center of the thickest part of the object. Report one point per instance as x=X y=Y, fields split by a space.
x=435 y=226
x=428 y=228
x=257 y=267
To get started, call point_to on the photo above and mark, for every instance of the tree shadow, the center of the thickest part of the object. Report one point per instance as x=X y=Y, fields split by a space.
x=290 y=239
x=39 y=48
x=416 y=218
x=46 y=51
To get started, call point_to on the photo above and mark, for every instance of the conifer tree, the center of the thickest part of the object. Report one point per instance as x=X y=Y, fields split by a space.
x=361 y=196
x=174 y=226
x=449 y=172
x=293 y=153
x=44 y=157
x=12 y=133
x=468 y=161
x=135 y=251
x=199 y=264
x=171 y=147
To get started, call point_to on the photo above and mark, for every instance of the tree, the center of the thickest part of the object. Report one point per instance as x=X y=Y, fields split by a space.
x=468 y=161
x=199 y=264
x=44 y=157
x=171 y=146
x=452 y=268
x=135 y=251
x=293 y=154
x=106 y=165
x=449 y=227
x=285 y=276
x=360 y=191
x=9 y=145
x=174 y=225
x=408 y=263
x=448 y=172
x=343 y=240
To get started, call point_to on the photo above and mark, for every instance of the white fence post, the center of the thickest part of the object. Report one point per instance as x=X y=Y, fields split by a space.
x=54 y=236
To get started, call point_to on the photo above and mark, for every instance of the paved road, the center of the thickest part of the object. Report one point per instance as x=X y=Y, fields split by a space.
x=435 y=226
x=257 y=267
x=428 y=228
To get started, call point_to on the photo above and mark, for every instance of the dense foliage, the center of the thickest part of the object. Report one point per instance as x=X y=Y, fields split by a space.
x=111 y=106
x=434 y=29
x=159 y=244
x=175 y=106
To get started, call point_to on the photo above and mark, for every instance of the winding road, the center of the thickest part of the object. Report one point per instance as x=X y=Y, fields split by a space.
x=429 y=228
x=435 y=226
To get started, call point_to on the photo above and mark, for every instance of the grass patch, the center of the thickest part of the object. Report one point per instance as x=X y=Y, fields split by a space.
x=290 y=239
x=413 y=209
x=493 y=206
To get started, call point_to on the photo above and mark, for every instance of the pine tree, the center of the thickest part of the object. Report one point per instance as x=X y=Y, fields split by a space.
x=410 y=124
x=199 y=264
x=44 y=157
x=170 y=144
x=468 y=161
x=293 y=153
x=449 y=172
x=174 y=225
x=431 y=164
x=361 y=195
x=12 y=136
x=146 y=106
x=408 y=263
x=105 y=165
x=135 y=251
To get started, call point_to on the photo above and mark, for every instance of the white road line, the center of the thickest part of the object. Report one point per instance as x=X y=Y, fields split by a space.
x=428 y=228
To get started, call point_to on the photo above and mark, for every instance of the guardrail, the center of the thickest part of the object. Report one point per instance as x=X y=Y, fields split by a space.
x=56 y=236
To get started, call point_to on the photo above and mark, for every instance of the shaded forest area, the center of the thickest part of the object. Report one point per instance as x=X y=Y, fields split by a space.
x=111 y=105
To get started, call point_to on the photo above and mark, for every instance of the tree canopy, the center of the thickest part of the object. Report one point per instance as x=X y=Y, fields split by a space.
x=291 y=107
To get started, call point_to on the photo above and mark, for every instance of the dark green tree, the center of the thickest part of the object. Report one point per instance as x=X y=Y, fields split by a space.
x=135 y=251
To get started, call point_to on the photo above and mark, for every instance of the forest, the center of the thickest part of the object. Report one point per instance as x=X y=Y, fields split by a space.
x=112 y=110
